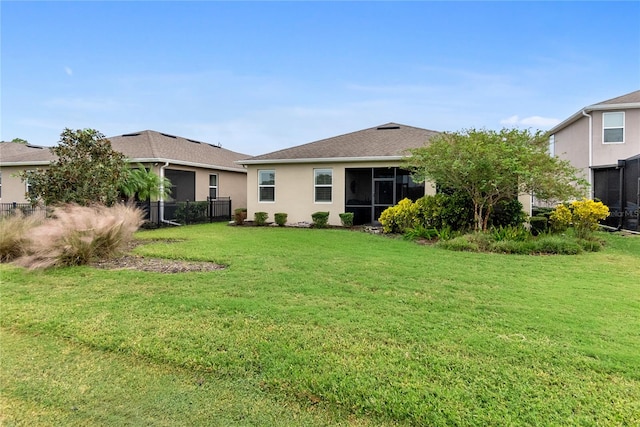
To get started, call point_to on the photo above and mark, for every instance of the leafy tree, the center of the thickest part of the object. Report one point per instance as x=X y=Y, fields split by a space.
x=87 y=171
x=491 y=166
x=146 y=184
x=20 y=141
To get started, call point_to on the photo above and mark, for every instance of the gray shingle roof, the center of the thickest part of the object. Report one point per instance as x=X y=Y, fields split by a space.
x=14 y=152
x=629 y=98
x=141 y=146
x=152 y=145
x=384 y=141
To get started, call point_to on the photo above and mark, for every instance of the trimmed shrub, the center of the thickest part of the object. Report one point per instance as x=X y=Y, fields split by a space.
x=77 y=235
x=281 y=218
x=538 y=225
x=346 y=218
x=239 y=215
x=320 y=219
x=14 y=231
x=260 y=218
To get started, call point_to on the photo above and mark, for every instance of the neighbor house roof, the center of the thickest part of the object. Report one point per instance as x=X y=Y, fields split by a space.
x=152 y=146
x=629 y=100
x=17 y=154
x=143 y=147
x=385 y=142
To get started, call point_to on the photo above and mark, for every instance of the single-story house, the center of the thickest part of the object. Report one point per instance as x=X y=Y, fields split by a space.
x=357 y=172
x=603 y=140
x=197 y=170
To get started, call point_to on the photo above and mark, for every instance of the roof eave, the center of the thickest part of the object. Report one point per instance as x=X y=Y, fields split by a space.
x=590 y=108
x=35 y=163
x=322 y=160
x=184 y=163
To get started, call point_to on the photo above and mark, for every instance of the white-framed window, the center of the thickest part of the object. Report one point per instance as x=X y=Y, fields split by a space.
x=323 y=185
x=0 y=185
x=552 y=145
x=613 y=128
x=213 y=186
x=266 y=185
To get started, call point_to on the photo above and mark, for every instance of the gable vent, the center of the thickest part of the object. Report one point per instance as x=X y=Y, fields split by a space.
x=388 y=127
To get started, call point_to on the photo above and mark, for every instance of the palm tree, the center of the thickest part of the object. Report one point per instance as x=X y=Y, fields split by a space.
x=146 y=184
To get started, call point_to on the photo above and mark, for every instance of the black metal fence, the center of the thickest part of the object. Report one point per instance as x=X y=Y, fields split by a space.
x=183 y=213
x=26 y=209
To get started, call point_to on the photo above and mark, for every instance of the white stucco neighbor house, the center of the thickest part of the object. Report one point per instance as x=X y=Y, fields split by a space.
x=197 y=170
x=356 y=172
x=603 y=140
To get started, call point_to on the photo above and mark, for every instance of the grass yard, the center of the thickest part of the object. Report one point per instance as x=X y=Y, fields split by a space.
x=324 y=327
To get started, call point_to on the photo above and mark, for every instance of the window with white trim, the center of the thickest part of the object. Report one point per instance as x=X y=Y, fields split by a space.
x=266 y=186
x=213 y=186
x=323 y=185
x=613 y=128
x=552 y=145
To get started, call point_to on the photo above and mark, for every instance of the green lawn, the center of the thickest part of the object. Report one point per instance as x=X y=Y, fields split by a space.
x=325 y=327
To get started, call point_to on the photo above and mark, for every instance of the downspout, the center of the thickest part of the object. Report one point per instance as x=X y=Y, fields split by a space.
x=161 y=198
x=590 y=177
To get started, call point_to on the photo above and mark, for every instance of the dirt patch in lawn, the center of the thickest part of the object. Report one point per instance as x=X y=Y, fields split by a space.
x=129 y=261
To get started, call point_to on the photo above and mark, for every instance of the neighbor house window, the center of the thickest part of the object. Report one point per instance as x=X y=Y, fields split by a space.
x=213 y=186
x=266 y=186
x=323 y=183
x=552 y=145
x=613 y=128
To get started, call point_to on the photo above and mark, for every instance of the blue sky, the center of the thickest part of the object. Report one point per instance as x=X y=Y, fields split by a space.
x=261 y=76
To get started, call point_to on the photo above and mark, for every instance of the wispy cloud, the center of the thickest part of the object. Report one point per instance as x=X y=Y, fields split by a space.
x=69 y=71
x=535 y=121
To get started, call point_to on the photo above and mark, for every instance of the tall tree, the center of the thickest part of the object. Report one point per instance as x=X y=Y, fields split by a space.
x=491 y=166
x=87 y=171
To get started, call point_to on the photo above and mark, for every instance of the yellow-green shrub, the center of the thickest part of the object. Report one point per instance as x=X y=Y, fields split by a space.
x=586 y=213
x=583 y=214
x=399 y=218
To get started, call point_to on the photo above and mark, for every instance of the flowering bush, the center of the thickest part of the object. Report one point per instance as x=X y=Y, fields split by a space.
x=583 y=214
x=586 y=214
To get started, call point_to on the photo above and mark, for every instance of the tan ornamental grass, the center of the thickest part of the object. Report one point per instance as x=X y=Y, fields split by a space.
x=77 y=235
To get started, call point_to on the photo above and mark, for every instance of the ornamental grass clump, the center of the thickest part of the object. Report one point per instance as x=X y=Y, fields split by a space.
x=77 y=235
x=14 y=230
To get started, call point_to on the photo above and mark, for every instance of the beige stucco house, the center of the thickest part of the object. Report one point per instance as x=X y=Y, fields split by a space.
x=197 y=170
x=357 y=172
x=603 y=140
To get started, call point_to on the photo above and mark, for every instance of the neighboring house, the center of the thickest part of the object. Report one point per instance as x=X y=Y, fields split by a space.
x=603 y=140
x=357 y=172
x=197 y=170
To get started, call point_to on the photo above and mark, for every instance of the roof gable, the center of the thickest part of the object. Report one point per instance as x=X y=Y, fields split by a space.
x=391 y=140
